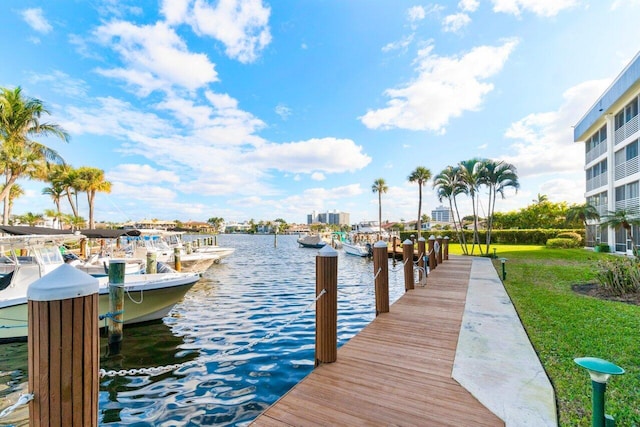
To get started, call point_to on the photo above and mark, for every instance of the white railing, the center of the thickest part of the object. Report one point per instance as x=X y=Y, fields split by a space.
x=628 y=204
x=597 y=182
x=625 y=131
x=596 y=152
x=627 y=168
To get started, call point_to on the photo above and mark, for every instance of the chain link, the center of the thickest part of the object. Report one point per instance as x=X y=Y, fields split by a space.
x=22 y=400
x=156 y=370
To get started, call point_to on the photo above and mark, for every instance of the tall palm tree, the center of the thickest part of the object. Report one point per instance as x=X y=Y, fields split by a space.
x=497 y=176
x=20 y=154
x=70 y=180
x=420 y=175
x=471 y=174
x=625 y=218
x=92 y=181
x=31 y=219
x=15 y=192
x=379 y=186
x=57 y=189
x=448 y=185
x=582 y=213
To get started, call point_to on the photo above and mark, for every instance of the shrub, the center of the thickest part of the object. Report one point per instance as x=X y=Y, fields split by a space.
x=563 y=243
x=619 y=275
x=602 y=247
x=571 y=235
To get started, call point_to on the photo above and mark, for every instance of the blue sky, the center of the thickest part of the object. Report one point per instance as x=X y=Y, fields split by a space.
x=250 y=109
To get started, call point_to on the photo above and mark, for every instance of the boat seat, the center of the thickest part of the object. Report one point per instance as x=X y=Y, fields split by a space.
x=5 y=280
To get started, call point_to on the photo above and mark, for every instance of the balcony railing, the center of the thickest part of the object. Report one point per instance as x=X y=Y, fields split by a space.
x=597 y=182
x=596 y=152
x=627 y=168
x=626 y=130
x=631 y=204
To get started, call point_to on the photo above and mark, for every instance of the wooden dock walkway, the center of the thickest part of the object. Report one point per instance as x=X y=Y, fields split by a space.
x=397 y=370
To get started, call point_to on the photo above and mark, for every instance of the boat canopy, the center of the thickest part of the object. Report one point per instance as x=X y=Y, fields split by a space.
x=105 y=233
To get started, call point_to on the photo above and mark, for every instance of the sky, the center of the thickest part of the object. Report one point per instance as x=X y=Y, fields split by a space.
x=256 y=109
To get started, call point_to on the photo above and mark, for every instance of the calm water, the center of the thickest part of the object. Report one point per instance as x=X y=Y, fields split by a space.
x=254 y=292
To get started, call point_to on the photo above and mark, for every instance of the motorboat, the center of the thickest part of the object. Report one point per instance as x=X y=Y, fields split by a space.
x=358 y=249
x=27 y=258
x=311 y=241
x=98 y=266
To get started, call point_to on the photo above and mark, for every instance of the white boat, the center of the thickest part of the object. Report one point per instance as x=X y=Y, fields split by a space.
x=218 y=251
x=358 y=249
x=311 y=241
x=147 y=296
x=164 y=243
x=98 y=266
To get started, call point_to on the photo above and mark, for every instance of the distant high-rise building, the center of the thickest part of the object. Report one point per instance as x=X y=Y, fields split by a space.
x=441 y=214
x=335 y=217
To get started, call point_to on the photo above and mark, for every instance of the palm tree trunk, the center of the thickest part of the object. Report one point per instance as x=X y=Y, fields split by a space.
x=462 y=238
x=73 y=205
x=419 y=209
x=379 y=215
x=90 y=198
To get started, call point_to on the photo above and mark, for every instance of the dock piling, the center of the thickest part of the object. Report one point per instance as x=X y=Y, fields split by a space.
x=116 y=305
x=439 y=250
x=422 y=242
x=407 y=256
x=445 y=249
x=63 y=350
x=327 y=306
x=432 y=252
x=381 y=272
x=177 y=266
x=152 y=262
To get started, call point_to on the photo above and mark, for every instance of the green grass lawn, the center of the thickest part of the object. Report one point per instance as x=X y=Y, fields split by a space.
x=563 y=325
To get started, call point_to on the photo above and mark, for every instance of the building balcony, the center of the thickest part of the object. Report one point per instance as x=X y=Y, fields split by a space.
x=596 y=152
x=627 y=168
x=597 y=182
x=628 y=129
x=631 y=204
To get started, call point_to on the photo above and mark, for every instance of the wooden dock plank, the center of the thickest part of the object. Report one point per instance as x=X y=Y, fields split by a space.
x=397 y=370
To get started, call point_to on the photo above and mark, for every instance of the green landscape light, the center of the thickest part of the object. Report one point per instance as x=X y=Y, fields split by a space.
x=503 y=261
x=599 y=370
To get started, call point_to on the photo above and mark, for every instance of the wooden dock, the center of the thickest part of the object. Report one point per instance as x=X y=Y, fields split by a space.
x=397 y=370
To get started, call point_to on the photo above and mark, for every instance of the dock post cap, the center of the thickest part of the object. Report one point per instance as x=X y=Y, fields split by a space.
x=432 y=237
x=380 y=244
x=327 y=251
x=446 y=237
x=117 y=261
x=422 y=239
x=408 y=242
x=439 y=237
x=64 y=282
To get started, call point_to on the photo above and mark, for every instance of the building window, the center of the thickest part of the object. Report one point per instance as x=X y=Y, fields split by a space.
x=632 y=150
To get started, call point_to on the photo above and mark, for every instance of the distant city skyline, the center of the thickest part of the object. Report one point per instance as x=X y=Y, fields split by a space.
x=272 y=109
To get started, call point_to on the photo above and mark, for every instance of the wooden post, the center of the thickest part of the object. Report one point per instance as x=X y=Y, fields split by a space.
x=407 y=258
x=275 y=239
x=63 y=349
x=394 y=249
x=421 y=251
x=177 y=266
x=439 y=251
x=381 y=264
x=432 y=252
x=116 y=305
x=83 y=248
x=445 y=249
x=215 y=240
x=327 y=305
x=188 y=247
x=152 y=262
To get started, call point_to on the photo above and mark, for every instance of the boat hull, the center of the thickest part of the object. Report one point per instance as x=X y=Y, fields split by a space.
x=146 y=299
x=356 y=250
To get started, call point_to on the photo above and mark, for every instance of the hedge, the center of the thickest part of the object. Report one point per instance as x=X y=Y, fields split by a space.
x=507 y=237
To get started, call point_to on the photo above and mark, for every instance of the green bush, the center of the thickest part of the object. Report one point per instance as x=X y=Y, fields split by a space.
x=619 y=275
x=602 y=247
x=571 y=235
x=563 y=243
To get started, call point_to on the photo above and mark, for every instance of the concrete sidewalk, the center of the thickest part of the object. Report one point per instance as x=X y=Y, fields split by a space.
x=495 y=360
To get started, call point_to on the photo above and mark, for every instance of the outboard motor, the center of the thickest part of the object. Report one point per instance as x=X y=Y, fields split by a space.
x=369 y=250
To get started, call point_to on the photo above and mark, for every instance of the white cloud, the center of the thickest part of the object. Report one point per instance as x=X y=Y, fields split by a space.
x=241 y=25
x=139 y=174
x=318 y=176
x=468 y=5
x=444 y=88
x=401 y=44
x=539 y=7
x=62 y=84
x=175 y=11
x=454 y=23
x=155 y=58
x=329 y=155
x=34 y=17
x=416 y=13
x=283 y=111
x=541 y=137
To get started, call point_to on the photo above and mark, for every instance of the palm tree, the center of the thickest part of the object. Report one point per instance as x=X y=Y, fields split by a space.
x=448 y=185
x=625 y=218
x=92 y=181
x=582 y=213
x=471 y=173
x=420 y=175
x=31 y=218
x=379 y=186
x=15 y=192
x=57 y=189
x=20 y=155
x=56 y=215
x=497 y=176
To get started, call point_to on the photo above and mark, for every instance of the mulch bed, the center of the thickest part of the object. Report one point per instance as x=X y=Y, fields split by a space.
x=594 y=290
